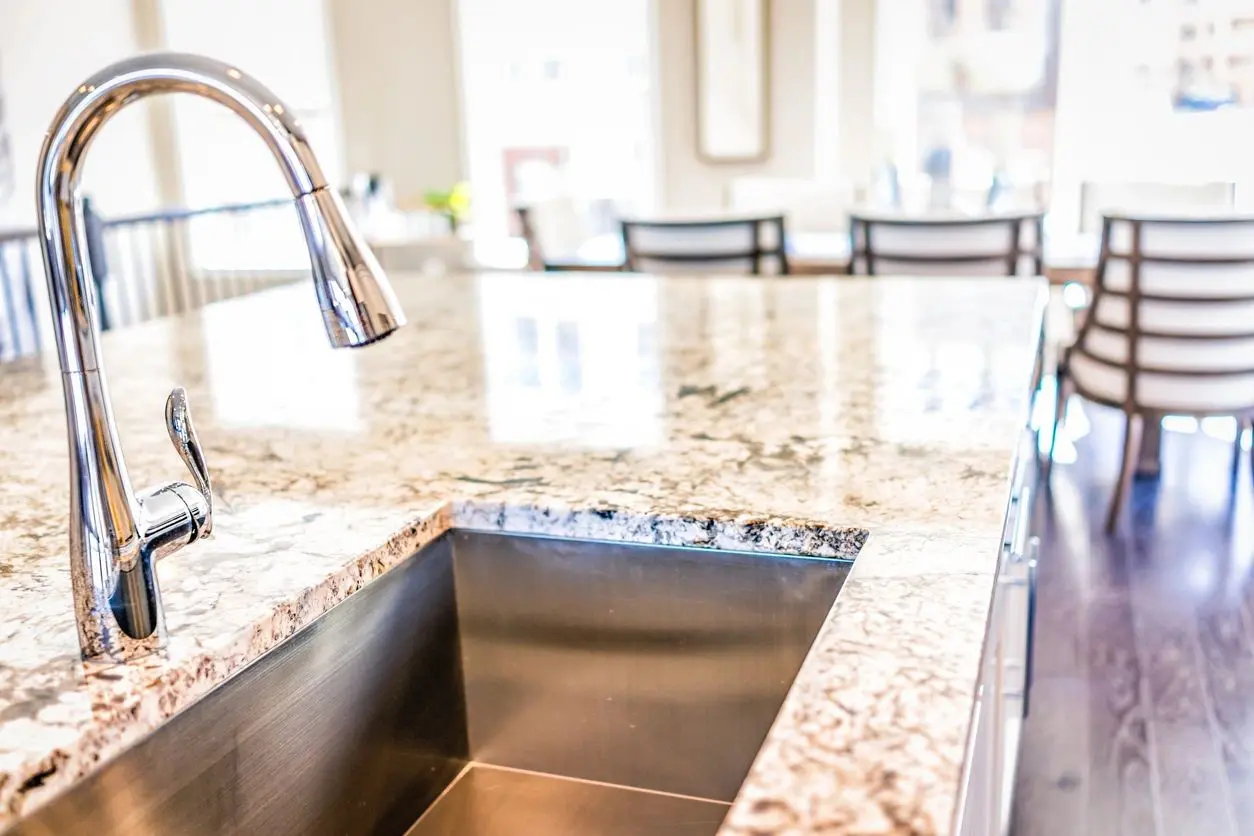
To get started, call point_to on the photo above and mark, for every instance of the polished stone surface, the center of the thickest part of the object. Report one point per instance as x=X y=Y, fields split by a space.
x=874 y=418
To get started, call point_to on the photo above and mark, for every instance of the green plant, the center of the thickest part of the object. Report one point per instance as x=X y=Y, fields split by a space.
x=454 y=202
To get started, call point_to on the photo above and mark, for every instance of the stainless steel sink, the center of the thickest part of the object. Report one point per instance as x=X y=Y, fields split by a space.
x=491 y=684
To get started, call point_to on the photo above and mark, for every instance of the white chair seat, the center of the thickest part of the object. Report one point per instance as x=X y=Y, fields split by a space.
x=1198 y=395
x=1192 y=280
x=1234 y=354
x=1197 y=318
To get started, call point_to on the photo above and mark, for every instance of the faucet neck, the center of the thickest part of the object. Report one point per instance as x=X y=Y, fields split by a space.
x=115 y=537
x=94 y=103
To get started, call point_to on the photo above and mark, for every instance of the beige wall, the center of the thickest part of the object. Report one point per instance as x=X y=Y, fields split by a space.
x=399 y=98
x=44 y=54
x=686 y=183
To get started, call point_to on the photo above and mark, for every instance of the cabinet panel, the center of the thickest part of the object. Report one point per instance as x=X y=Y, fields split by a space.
x=993 y=745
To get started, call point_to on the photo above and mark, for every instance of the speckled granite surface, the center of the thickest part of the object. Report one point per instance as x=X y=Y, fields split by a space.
x=830 y=417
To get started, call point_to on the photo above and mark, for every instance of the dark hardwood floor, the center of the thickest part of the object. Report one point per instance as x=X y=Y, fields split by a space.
x=1142 y=717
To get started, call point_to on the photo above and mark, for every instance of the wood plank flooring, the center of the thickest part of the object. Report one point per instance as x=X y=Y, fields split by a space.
x=1143 y=703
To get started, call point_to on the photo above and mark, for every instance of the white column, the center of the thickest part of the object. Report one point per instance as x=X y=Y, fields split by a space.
x=856 y=87
x=397 y=77
x=827 y=101
x=167 y=169
x=900 y=44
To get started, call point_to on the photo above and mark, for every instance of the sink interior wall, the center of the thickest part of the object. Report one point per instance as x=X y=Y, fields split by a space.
x=355 y=725
x=645 y=667
x=652 y=668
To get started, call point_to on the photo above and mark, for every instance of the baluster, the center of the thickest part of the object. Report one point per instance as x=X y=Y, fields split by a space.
x=189 y=288
x=171 y=268
x=145 y=287
x=122 y=281
x=237 y=281
x=23 y=261
x=99 y=262
x=289 y=224
x=10 y=343
x=255 y=273
x=210 y=281
x=155 y=233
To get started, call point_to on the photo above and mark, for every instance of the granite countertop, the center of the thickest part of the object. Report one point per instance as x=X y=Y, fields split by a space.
x=867 y=417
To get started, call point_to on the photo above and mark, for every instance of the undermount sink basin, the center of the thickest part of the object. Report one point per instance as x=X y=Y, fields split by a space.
x=491 y=684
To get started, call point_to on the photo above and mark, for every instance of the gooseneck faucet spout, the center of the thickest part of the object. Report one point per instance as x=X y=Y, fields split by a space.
x=116 y=537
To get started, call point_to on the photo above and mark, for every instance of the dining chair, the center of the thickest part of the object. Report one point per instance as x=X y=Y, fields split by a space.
x=1098 y=198
x=554 y=231
x=1170 y=329
x=988 y=245
x=750 y=245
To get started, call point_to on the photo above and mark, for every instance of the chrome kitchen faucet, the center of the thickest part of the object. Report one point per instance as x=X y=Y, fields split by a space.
x=116 y=537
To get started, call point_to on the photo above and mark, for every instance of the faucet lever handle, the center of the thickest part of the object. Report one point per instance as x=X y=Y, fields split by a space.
x=178 y=421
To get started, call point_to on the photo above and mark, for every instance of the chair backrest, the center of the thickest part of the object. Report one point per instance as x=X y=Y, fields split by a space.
x=994 y=245
x=750 y=246
x=807 y=205
x=554 y=229
x=1171 y=326
x=1106 y=198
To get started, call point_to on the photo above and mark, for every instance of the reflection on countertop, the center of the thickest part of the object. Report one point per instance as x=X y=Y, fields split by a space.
x=575 y=364
x=774 y=415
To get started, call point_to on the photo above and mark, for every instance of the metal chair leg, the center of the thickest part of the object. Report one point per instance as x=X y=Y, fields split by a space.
x=1060 y=409
x=1235 y=473
x=1240 y=432
x=1127 y=467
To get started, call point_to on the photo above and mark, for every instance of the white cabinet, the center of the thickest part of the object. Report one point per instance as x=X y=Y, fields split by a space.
x=1001 y=697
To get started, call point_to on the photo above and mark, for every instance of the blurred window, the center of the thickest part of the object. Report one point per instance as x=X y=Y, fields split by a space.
x=1153 y=92
x=965 y=97
x=557 y=103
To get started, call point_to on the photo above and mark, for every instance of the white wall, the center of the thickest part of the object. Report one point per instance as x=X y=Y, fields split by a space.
x=400 y=100
x=828 y=16
x=688 y=183
x=898 y=48
x=46 y=50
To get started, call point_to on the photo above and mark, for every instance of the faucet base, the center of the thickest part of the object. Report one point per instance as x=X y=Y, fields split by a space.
x=103 y=639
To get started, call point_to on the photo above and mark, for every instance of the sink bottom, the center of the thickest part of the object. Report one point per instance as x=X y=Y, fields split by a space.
x=452 y=690
x=491 y=801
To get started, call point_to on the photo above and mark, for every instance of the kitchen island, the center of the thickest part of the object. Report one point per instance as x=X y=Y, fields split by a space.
x=871 y=419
